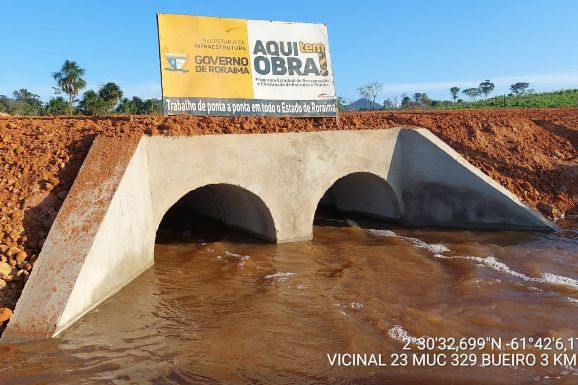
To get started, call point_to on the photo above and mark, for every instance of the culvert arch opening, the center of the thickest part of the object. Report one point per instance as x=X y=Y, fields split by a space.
x=360 y=193
x=211 y=211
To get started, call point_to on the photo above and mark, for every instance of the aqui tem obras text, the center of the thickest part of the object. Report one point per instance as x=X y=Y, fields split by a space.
x=271 y=58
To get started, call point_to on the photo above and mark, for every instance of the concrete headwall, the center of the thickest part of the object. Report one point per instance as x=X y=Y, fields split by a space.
x=267 y=184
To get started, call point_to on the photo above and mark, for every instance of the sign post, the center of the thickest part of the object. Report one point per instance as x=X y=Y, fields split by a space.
x=236 y=67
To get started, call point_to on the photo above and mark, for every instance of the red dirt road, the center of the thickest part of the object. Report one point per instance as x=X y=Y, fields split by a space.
x=532 y=152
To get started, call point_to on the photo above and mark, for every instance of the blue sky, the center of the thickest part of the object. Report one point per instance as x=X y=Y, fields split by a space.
x=413 y=46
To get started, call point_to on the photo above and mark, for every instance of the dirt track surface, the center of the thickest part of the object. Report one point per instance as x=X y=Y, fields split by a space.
x=532 y=152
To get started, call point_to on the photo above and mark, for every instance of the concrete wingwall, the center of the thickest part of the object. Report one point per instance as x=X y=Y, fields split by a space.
x=268 y=184
x=439 y=187
x=98 y=243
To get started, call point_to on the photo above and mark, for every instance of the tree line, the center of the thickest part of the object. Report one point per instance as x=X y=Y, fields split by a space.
x=486 y=87
x=108 y=99
x=520 y=95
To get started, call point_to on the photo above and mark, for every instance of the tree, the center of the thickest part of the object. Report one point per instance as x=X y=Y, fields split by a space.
x=405 y=101
x=124 y=106
x=26 y=96
x=421 y=99
x=93 y=104
x=424 y=100
x=152 y=106
x=4 y=103
x=69 y=80
x=472 y=93
x=342 y=104
x=26 y=103
x=57 y=106
x=454 y=91
x=370 y=91
x=486 y=87
x=137 y=106
x=130 y=106
x=389 y=104
x=519 y=89
x=111 y=94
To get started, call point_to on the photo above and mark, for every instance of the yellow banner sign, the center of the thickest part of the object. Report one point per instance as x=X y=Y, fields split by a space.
x=233 y=67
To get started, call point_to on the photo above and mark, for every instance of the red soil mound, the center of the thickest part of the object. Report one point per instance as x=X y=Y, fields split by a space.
x=531 y=152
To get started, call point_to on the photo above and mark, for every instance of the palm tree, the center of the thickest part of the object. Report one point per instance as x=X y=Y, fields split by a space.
x=110 y=93
x=69 y=80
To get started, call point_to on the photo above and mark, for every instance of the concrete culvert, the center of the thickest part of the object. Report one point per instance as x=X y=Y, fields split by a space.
x=361 y=193
x=104 y=234
x=207 y=211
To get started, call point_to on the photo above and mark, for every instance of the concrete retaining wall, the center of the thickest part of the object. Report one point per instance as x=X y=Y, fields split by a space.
x=268 y=184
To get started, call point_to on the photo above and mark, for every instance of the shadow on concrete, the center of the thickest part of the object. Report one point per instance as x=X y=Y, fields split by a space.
x=218 y=212
x=358 y=195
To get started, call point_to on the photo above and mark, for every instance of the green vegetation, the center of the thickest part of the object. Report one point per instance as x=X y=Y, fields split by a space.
x=108 y=100
x=486 y=88
x=101 y=103
x=341 y=104
x=57 y=106
x=23 y=102
x=93 y=104
x=69 y=81
x=563 y=98
x=521 y=95
x=137 y=106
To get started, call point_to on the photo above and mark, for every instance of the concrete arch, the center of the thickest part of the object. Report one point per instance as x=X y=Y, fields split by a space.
x=232 y=205
x=364 y=193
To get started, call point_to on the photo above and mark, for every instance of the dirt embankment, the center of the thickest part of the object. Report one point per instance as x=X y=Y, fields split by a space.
x=533 y=153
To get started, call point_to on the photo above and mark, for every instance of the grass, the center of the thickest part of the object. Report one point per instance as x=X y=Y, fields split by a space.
x=562 y=98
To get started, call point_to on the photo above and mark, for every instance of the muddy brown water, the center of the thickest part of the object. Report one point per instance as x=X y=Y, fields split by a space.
x=221 y=307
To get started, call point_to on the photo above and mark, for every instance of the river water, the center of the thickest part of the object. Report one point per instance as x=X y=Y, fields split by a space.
x=221 y=307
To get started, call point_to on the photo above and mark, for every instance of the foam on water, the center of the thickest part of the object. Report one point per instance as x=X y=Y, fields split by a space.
x=560 y=280
x=382 y=233
x=356 y=305
x=280 y=277
x=491 y=262
x=238 y=257
x=431 y=247
x=398 y=333
x=495 y=264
